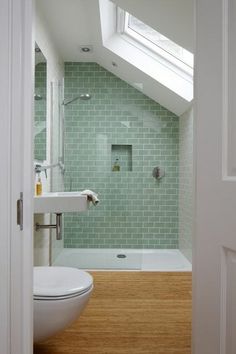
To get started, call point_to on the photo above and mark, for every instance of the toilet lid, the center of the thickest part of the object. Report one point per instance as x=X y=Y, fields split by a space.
x=60 y=281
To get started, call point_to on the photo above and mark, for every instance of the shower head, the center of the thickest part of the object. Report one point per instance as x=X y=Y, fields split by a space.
x=37 y=97
x=83 y=96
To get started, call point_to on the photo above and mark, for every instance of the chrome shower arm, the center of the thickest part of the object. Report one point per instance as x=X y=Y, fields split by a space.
x=83 y=96
x=40 y=168
x=65 y=102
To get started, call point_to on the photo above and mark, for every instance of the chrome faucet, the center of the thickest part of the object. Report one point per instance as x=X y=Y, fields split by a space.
x=39 y=168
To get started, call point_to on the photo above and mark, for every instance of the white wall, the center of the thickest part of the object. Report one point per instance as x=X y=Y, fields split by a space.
x=186 y=183
x=55 y=73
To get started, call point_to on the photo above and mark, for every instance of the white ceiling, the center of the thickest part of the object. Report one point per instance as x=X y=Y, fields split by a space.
x=73 y=23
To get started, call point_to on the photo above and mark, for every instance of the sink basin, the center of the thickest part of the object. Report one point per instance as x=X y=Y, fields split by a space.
x=60 y=202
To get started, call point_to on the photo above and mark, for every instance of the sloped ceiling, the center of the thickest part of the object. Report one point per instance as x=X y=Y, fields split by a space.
x=73 y=23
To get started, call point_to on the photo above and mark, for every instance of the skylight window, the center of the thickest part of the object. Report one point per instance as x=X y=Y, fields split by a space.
x=156 y=38
x=154 y=41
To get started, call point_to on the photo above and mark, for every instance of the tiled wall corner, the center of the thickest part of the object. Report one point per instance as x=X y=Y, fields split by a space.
x=186 y=183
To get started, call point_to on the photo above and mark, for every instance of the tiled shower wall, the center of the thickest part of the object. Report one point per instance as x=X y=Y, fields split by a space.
x=40 y=112
x=135 y=210
x=186 y=183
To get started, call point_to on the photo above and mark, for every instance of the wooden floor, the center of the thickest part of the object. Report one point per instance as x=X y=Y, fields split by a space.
x=131 y=313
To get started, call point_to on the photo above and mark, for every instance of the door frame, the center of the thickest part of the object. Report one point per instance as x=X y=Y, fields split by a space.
x=212 y=197
x=16 y=251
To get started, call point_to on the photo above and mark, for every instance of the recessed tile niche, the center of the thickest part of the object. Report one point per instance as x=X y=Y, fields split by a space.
x=121 y=158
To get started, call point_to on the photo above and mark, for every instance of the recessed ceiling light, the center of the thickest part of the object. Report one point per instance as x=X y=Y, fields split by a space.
x=86 y=48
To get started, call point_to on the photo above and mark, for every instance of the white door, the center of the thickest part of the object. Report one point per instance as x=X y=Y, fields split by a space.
x=15 y=176
x=214 y=263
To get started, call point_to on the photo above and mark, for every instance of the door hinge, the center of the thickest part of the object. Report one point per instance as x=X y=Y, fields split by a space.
x=19 y=206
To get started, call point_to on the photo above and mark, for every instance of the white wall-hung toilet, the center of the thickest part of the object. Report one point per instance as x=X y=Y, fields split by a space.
x=60 y=295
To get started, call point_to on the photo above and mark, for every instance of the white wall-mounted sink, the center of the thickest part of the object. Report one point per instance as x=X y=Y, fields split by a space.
x=60 y=202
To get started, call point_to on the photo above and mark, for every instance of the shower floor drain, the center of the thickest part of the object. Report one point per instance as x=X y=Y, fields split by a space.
x=121 y=256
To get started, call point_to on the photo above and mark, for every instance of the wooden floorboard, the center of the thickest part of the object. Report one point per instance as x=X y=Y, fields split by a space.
x=131 y=313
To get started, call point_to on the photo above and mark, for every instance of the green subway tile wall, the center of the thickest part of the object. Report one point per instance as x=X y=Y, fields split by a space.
x=40 y=112
x=135 y=210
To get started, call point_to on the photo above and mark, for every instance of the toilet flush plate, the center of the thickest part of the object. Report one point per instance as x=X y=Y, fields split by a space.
x=60 y=202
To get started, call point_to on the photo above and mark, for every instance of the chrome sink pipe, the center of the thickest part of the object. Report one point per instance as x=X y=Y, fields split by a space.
x=57 y=226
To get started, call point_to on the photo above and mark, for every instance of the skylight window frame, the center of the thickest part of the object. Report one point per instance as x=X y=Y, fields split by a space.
x=149 y=47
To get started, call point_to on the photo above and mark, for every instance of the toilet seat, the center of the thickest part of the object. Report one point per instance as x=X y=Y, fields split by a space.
x=58 y=283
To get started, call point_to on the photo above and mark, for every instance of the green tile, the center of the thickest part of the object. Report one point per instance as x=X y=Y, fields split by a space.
x=135 y=211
